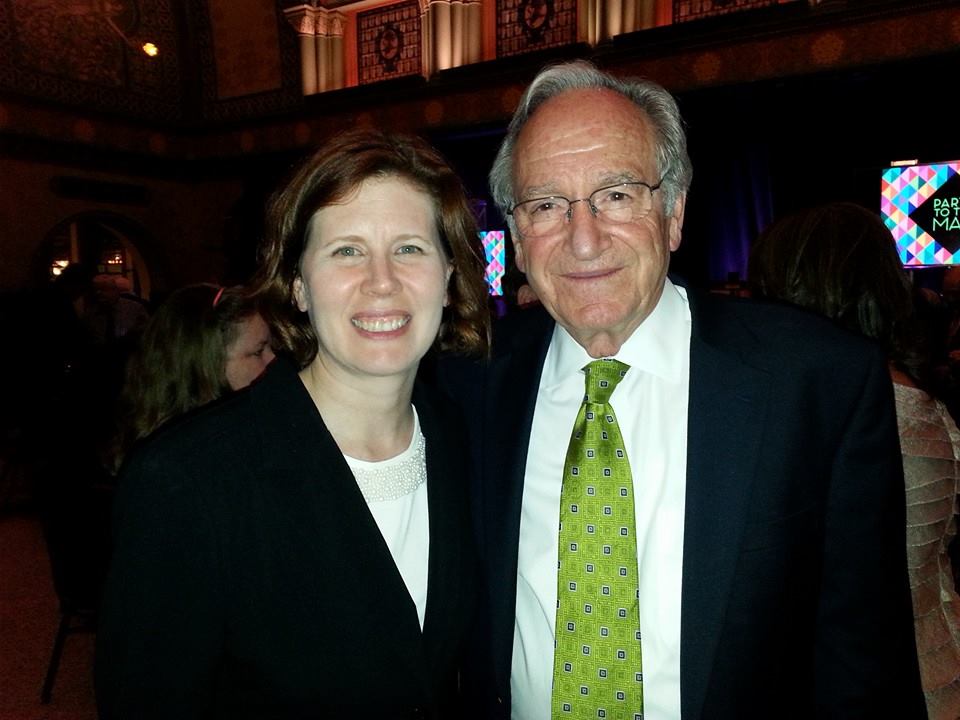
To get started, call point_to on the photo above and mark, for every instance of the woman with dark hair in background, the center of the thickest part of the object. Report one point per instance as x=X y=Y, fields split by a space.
x=840 y=260
x=202 y=342
x=302 y=549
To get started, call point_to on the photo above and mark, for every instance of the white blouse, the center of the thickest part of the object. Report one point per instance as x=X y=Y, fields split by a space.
x=396 y=493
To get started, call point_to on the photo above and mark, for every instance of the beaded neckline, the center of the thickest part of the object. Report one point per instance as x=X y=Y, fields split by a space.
x=393 y=478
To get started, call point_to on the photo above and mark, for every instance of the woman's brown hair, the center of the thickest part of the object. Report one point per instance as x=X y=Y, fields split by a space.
x=327 y=178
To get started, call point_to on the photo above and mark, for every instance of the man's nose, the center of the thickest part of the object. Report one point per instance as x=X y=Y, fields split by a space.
x=587 y=239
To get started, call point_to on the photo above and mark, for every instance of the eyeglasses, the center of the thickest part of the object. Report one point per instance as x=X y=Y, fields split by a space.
x=616 y=204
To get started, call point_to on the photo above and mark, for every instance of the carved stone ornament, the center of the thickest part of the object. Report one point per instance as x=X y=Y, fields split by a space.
x=303 y=18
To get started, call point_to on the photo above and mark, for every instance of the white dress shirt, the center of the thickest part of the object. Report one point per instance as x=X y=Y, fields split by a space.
x=396 y=493
x=651 y=408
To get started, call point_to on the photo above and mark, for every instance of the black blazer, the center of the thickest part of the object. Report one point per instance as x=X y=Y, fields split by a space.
x=249 y=579
x=795 y=598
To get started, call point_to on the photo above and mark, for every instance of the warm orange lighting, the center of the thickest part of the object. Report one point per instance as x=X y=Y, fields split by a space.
x=148 y=47
x=58 y=267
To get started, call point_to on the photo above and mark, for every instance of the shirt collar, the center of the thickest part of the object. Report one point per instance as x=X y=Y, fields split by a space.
x=657 y=346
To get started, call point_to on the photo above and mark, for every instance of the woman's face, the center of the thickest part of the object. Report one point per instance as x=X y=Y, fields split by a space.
x=373 y=279
x=249 y=353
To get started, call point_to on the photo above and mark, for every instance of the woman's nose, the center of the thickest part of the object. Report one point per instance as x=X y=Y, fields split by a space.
x=381 y=277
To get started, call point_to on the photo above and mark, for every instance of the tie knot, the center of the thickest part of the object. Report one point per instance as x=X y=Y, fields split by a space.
x=602 y=377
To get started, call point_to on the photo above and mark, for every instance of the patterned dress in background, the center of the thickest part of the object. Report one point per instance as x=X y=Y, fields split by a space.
x=930 y=443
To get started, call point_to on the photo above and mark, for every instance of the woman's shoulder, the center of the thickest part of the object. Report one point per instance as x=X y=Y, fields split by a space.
x=210 y=435
x=220 y=435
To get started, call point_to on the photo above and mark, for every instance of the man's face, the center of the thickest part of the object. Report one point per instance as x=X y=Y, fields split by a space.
x=598 y=280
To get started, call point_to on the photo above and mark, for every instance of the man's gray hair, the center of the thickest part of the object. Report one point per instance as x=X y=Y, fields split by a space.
x=673 y=163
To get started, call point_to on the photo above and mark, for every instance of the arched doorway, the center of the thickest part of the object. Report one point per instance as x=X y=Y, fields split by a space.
x=103 y=242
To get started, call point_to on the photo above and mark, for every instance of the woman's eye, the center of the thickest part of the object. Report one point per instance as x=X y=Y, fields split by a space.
x=346 y=251
x=410 y=249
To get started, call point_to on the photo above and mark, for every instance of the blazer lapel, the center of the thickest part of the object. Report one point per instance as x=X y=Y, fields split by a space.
x=313 y=484
x=449 y=559
x=726 y=416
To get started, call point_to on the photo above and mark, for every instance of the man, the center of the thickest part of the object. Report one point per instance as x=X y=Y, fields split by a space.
x=111 y=316
x=763 y=490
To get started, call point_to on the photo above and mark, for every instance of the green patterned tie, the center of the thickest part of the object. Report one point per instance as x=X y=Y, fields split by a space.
x=597 y=670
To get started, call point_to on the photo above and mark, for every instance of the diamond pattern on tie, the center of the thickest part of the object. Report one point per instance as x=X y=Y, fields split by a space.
x=597 y=662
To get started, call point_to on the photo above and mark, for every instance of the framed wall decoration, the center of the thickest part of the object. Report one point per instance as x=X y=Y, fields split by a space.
x=527 y=25
x=388 y=42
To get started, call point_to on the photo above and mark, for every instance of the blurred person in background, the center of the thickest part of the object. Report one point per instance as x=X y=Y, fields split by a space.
x=840 y=260
x=202 y=342
x=109 y=316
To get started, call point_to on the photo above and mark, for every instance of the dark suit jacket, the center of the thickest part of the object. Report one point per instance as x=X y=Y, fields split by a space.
x=249 y=578
x=795 y=599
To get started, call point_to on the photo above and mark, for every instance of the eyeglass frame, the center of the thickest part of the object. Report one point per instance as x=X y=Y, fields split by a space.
x=594 y=210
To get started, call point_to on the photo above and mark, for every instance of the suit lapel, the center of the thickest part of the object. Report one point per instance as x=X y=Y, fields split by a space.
x=510 y=399
x=726 y=416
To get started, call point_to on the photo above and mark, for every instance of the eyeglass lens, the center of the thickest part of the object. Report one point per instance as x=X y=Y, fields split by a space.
x=621 y=203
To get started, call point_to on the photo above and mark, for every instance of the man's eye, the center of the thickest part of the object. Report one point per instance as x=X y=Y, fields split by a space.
x=544 y=207
x=615 y=197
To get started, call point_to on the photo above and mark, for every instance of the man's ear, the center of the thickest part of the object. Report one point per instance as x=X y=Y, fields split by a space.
x=300 y=294
x=675 y=223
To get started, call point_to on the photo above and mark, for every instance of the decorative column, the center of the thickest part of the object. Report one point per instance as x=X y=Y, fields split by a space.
x=330 y=49
x=473 y=29
x=320 y=33
x=454 y=34
x=601 y=20
x=303 y=20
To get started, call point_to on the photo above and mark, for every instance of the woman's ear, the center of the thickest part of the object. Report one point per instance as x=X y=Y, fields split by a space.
x=300 y=294
x=446 y=295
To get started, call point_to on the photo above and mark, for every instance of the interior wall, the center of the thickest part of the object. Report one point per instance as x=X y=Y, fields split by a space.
x=187 y=221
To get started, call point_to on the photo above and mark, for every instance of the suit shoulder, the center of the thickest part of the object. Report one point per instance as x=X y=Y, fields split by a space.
x=519 y=327
x=210 y=434
x=779 y=328
x=224 y=435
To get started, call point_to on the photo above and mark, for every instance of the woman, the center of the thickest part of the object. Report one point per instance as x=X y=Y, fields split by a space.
x=302 y=549
x=840 y=261
x=202 y=342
